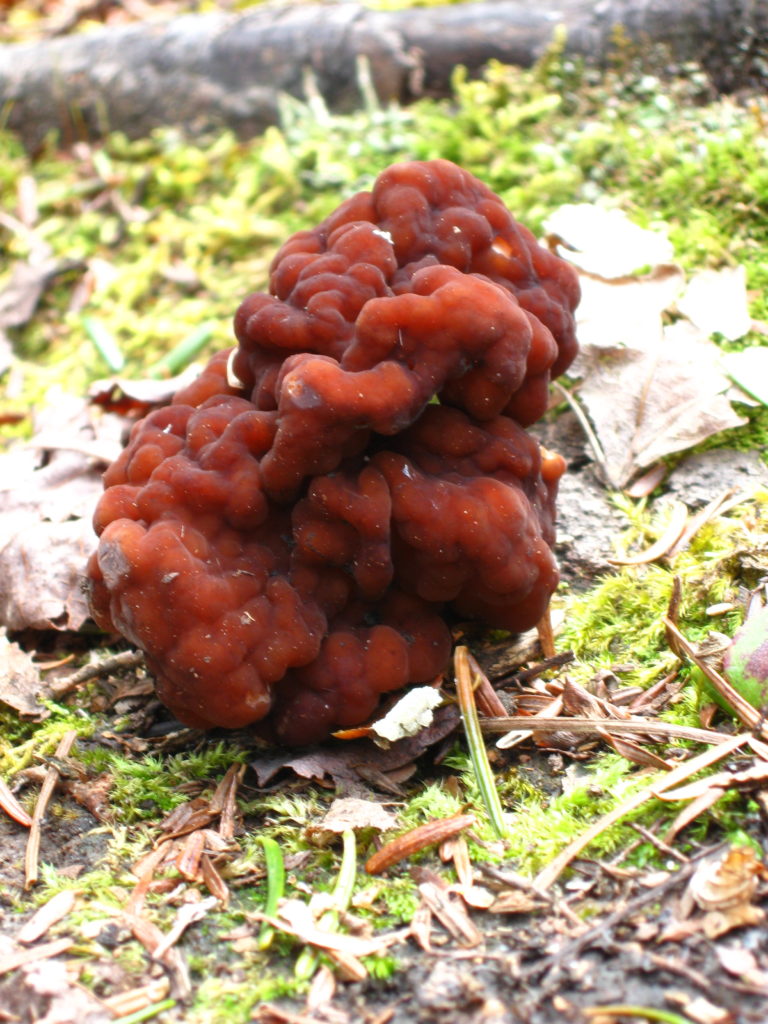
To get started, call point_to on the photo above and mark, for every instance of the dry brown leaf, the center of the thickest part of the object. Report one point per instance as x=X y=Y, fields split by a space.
x=728 y=881
x=605 y=241
x=138 y=397
x=47 y=495
x=450 y=911
x=295 y=918
x=20 y=682
x=648 y=403
x=742 y=963
x=341 y=763
x=720 y=922
x=512 y=901
x=700 y=1010
x=716 y=302
x=749 y=369
x=28 y=281
x=353 y=813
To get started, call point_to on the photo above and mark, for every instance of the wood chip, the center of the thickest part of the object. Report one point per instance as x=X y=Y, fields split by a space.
x=12 y=961
x=451 y=913
x=419 y=838
x=56 y=909
x=12 y=807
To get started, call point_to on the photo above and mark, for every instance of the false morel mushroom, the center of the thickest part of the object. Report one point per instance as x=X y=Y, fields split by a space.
x=287 y=540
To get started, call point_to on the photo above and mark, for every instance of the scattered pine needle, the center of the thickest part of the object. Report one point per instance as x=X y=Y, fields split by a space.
x=595 y=726
x=664 y=544
x=554 y=869
x=483 y=773
x=747 y=714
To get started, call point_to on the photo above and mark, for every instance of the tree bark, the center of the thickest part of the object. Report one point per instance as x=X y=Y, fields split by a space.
x=204 y=72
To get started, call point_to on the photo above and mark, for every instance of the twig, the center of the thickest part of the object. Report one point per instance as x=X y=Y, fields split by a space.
x=660 y=845
x=46 y=791
x=123 y=660
x=748 y=715
x=546 y=635
x=586 y=426
x=12 y=961
x=596 y=726
x=525 y=885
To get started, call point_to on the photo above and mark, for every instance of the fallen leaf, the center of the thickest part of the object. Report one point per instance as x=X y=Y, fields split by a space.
x=625 y=311
x=20 y=682
x=137 y=397
x=28 y=281
x=741 y=963
x=341 y=763
x=604 y=241
x=41 y=570
x=728 y=881
x=720 y=922
x=450 y=911
x=49 y=489
x=296 y=919
x=512 y=901
x=648 y=403
x=701 y=1010
x=355 y=813
x=749 y=369
x=716 y=302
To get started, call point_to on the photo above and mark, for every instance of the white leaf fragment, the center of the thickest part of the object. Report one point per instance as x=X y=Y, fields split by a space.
x=606 y=242
x=412 y=713
x=716 y=302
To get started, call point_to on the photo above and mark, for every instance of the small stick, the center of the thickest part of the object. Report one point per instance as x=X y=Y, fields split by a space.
x=546 y=635
x=31 y=872
x=125 y=659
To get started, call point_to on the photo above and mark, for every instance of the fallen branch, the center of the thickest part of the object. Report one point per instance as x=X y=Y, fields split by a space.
x=204 y=72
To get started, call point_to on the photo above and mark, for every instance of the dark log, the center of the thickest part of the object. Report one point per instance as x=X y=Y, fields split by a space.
x=203 y=72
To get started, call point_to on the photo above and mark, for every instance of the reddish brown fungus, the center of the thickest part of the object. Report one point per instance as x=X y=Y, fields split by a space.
x=286 y=539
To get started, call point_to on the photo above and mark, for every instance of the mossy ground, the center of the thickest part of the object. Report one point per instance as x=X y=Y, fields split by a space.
x=175 y=234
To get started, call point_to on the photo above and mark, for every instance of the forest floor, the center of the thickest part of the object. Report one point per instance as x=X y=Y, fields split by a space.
x=139 y=859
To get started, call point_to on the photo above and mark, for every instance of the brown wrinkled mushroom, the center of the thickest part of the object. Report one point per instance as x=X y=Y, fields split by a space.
x=286 y=539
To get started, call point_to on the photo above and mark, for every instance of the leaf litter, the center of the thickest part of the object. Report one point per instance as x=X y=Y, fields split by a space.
x=675 y=391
